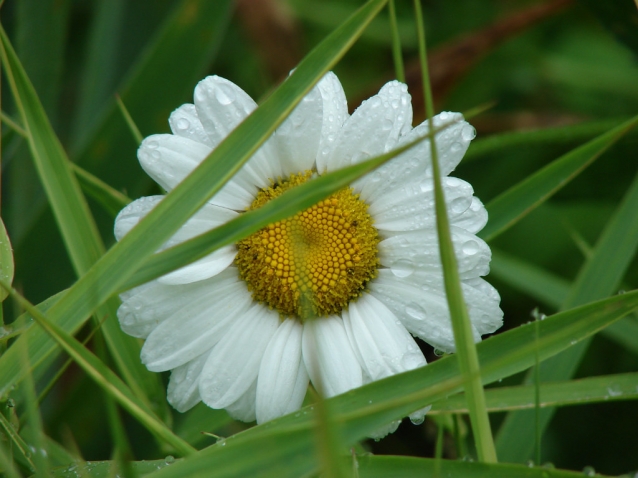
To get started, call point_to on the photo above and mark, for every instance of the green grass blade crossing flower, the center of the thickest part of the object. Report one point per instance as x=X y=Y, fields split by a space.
x=463 y=337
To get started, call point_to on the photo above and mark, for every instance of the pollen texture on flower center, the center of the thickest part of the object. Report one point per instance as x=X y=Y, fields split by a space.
x=314 y=263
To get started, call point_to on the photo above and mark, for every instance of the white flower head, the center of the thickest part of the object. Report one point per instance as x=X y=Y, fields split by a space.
x=332 y=295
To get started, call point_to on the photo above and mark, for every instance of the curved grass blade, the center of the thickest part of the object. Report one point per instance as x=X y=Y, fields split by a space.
x=6 y=261
x=104 y=377
x=554 y=394
x=599 y=277
x=515 y=203
x=412 y=467
x=285 y=446
x=114 y=268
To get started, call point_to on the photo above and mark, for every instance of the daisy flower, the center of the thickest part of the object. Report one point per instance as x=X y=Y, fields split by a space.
x=330 y=296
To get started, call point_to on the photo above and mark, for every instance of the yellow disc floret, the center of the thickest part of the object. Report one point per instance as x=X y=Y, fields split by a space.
x=314 y=263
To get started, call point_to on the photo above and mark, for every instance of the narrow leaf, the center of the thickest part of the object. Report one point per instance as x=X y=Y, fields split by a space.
x=6 y=260
x=515 y=203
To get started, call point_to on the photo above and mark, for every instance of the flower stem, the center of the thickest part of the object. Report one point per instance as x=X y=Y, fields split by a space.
x=465 y=347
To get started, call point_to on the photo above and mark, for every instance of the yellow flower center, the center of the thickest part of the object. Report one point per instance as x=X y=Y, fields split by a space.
x=314 y=263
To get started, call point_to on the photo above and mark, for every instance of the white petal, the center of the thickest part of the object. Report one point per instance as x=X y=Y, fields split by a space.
x=412 y=251
x=329 y=358
x=221 y=105
x=423 y=311
x=244 y=408
x=185 y=122
x=202 y=269
x=474 y=218
x=147 y=306
x=414 y=166
x=381 y=343
x=132 y=213
x=298 y=136
x=374 y=128
x=283 y=380
x=168 y=159
x=419 y=301
x=208 y=309
x=183 y=387
x=207 y=218
x=233 y=364
x=335 y=114
x=411 y=207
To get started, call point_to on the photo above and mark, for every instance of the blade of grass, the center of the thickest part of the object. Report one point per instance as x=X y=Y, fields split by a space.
x=463 y=337
x=135 y=131
x=412 y=467
x=599 y=277
x=115 y=267
x=515 y=203
x=397 y=55
x=104 y=377
x=554 y=394
x=20 y=445
x=6 y=262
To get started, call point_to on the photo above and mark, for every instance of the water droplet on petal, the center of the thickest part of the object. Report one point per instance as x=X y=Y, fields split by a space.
x=416 y=311
x=456 y=147
x=470 y=247
x=459 y=205
x=183 y=124
x=224 y=94
x=156 y=154
x=468 y=132
x=152 y=145
x=402 y=268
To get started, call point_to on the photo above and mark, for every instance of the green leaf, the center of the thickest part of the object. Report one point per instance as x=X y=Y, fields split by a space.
x=109 y=198
x=411 y=467
x=114 y=268
x=285 y=446
x=105 y=378
x=553 y=394
x=515 y=203
x=6 y=259
x=599 y=277
x=107 y=469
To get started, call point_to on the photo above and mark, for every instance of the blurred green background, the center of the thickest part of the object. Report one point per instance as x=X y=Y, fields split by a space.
x=559 y=72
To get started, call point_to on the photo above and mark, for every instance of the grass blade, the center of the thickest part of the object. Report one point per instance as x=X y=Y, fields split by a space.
x=6 y=261
x=556 y=394
x=515 y=203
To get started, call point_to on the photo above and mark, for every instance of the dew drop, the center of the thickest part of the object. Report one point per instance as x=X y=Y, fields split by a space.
x=156 y=154
x=402 y=268
x=224 y=94
x=459 y=205
x=183 y=124
x=470 y=247
x=169 y=459
x=456 y=147
x=468 y=132
x=426 y=186
x=417 y=420
x=416 y=311
x=530 y=464
x=439 y=352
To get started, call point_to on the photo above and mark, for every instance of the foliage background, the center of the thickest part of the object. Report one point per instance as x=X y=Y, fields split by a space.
x=565 y=68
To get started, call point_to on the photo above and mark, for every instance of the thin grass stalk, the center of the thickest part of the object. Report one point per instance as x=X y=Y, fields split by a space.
x=465 y=347
x=537 y=395
x=397 y=54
